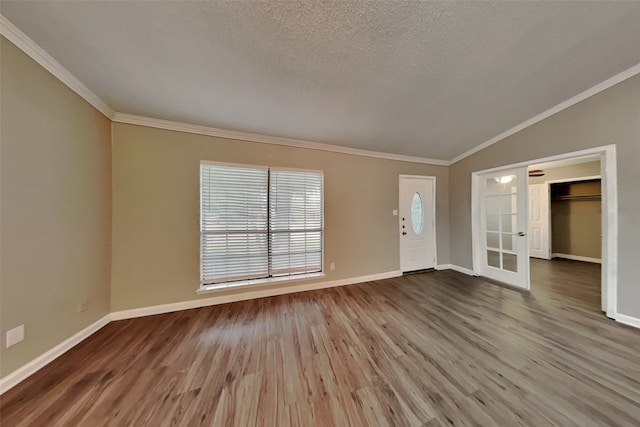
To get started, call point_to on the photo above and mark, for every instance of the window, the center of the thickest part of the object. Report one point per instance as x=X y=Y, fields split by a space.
x=258 y=222
x=417 y=214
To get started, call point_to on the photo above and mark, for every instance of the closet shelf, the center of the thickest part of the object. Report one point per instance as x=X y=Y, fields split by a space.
x=579 y=197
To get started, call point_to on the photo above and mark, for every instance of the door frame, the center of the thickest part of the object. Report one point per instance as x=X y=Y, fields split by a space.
x=609 y=241
x=435 y=246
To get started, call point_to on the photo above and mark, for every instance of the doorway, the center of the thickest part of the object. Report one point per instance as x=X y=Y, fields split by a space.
x=417 y=226
x=565 y=209
x=565 y=230
x=481 y=243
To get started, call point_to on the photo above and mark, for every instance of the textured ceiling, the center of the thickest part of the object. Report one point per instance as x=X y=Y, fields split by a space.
x=430 y=79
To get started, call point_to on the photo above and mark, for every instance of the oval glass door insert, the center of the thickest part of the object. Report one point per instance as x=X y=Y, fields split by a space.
x=417 y=214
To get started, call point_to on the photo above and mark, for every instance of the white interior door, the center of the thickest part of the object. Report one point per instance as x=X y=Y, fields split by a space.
x=417 y=223
x=503 y=226
x=539 y=231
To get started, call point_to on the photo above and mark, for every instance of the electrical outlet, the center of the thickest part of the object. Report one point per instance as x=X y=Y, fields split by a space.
x=82 y=305
x=15 y=335
x=332 y=266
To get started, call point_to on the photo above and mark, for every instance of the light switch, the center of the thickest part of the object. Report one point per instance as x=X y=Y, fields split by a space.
x=395 y=212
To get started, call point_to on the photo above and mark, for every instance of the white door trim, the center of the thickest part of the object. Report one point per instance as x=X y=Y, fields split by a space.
x=581 y=178
x=435 y=224
x=608 y=172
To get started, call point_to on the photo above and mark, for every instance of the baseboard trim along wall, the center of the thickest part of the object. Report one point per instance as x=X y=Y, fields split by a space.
x=627 y=320
x=577 y=258
x=257 y=293
x=25 y=371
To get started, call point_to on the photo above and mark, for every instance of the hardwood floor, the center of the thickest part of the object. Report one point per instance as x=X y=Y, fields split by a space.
x=430 y=349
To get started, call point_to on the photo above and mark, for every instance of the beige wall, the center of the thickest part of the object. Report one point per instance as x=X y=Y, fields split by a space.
x=575 y=228
x=611 y=117
x=55 y=209
x=156 y=209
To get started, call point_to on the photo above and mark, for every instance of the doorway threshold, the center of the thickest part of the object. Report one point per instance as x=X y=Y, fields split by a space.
x=425 y=270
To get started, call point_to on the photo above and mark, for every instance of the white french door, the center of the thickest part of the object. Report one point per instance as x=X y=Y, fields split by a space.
x=503 y=226
x=417 y=223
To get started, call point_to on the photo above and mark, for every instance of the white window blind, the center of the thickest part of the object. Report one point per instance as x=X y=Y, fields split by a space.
x=233 y=223
x=256 y=223
x=295 y=223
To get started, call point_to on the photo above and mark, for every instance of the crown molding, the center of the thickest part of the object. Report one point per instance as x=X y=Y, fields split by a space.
x=612 y=81
x=253 y=137
x=33 y=50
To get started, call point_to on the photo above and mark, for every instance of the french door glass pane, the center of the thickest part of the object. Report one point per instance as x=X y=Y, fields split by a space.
x=493 y=259
x=493 y=240
x=501 y=184
x=509 y=242
x=508 y=223
x=510 y=262
x=493 y=186
x=493 y=223
x=508 y=183
x=493 y=204
x=508 y=204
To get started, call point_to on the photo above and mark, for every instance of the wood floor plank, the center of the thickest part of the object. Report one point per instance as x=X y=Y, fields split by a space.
x=430 y=349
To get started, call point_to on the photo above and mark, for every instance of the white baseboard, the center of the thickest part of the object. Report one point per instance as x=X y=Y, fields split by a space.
x=628 y=320
x=455 y=268
x=577 y=258
x=25 y=371
x=258 y=293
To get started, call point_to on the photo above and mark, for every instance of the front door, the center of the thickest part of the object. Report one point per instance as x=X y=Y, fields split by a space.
x=417 y=223
x=503 y=225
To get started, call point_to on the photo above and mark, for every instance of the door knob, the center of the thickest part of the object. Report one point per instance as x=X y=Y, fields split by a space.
x=521 y=233
x=404 y=233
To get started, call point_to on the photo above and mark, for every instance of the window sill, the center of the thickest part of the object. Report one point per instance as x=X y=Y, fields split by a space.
x=246 y=284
